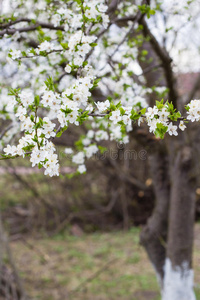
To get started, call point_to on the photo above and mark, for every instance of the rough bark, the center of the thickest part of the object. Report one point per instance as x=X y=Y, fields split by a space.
x=178 y=279
x=182 y=208
x=154 y=234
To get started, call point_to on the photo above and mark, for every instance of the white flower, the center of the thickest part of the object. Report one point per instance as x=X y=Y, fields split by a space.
x=81 y=169
x=115 y=117
x=126 y=119
x=12 y=150
x=37 y=156
x=64 y=11
x=62 y=119
x=102 y=106
x=72 y=116
x=48 y=128
x=78 y=158
x=21 y=112
x=56 y=18
x=105 y=20
x=172 y=129
x=68 y=69
x=192 y=116
x=91 y=150
x=83 y=49
x=194 y=110
x=151 y=112
x=182 y=125
x=78 y=61
x=101 y=135
x=49 y=147
x=48 y=98
x=51 y=169
x=89 y=107
x=102 y=8
x=68 y=151
x=125 y=139
x=16 y=54
x=91 y=13
x=152 y=125
x=86 y=141
x=45 y=46
x=26 y=97
x=116 y=133
x=27 y=125
x=11 y=102
x=52 y=158
x=163 y=115
x=140 y=120
x=160 y=89
x=90 y=134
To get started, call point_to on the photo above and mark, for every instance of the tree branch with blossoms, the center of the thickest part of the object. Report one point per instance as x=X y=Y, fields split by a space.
x=76 y=38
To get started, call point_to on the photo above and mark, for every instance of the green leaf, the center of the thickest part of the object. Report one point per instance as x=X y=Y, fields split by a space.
x=159 y=104
x=32 y=118
x=65 y=46
x=134 y=115
x=93 y=44
x=122 y=111
x=40 y=166
x=102 y=149
x=160 y=130
x=61 y=131
x=37 y=100
x=187 y=107
x=41 y=122
x=59 y=134
x=143 y=111
x=95 y=84
x=83 y=117
x=50 y=84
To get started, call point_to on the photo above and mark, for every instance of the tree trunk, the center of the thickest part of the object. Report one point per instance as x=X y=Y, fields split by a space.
x=168 y=236
x=178 y=277
x=154 y=234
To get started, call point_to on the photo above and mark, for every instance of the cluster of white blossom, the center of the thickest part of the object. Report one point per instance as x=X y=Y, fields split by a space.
x=91 y=9
x=80 y=157
x=194 y=110
x=66 y=106
x=160 y=118
x=36 y=138
x=76 y=51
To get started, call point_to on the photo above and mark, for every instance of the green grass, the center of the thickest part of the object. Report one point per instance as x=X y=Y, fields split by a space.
x=108 y=266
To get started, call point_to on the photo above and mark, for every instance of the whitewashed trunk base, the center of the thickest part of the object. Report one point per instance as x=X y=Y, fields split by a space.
x=178 y=282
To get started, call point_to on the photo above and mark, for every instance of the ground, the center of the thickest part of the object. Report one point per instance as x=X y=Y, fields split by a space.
x=99 y=266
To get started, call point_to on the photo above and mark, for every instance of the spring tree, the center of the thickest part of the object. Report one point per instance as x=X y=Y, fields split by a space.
x=55 y=54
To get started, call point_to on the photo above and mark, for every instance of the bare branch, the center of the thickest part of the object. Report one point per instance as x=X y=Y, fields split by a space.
x=37 y=55
x=7 y=30
x=166 y=62
x=12 y=31
x=5 y=131
x=195 y=88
